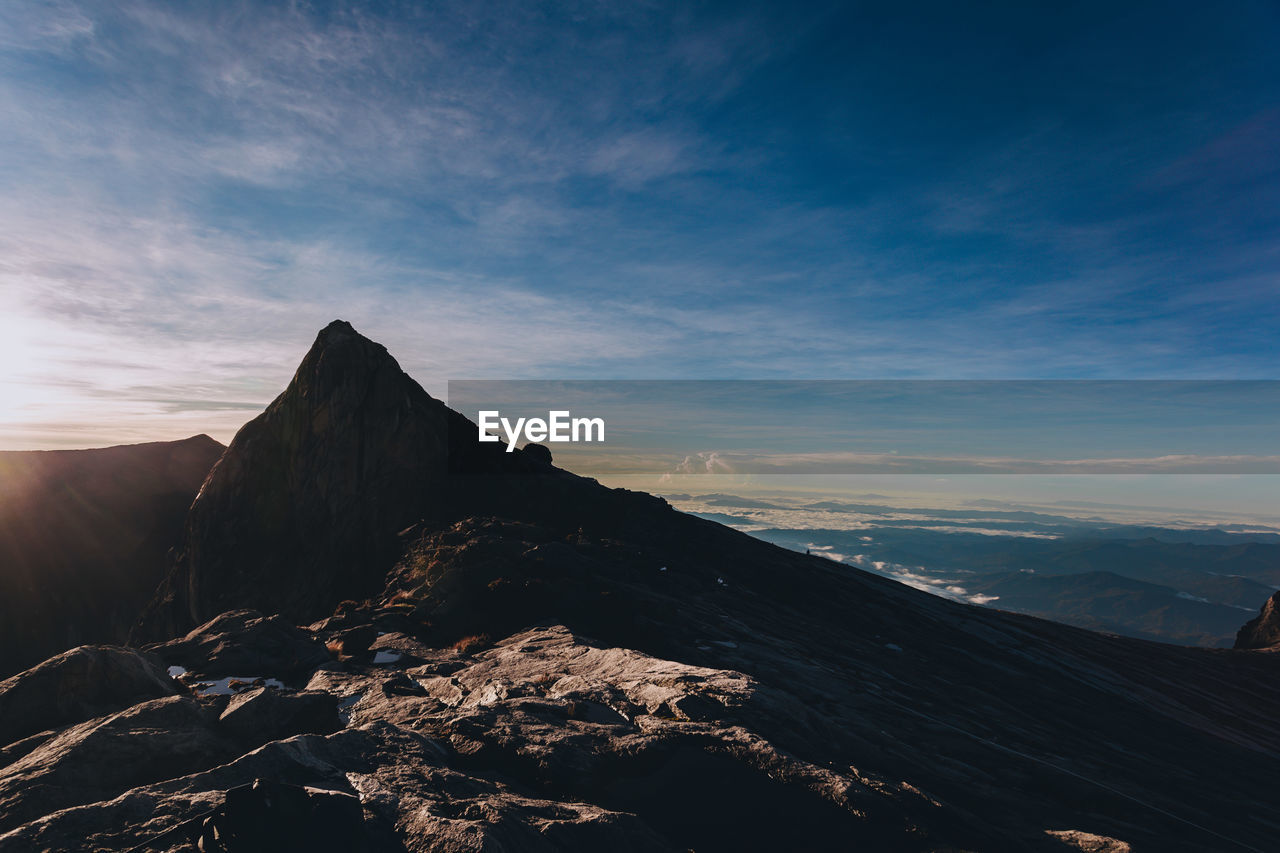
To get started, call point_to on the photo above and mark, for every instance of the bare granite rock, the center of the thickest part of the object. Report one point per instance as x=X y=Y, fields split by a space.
x=244 y=643
x=76 y=685
x=102 y=758
x=264 y=714
x=1263 y=630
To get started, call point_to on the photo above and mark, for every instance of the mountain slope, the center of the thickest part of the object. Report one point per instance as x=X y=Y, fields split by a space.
x=548 y=664
x=83 y=539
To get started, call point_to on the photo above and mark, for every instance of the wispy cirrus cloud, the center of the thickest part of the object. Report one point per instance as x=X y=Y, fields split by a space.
x=604 y=190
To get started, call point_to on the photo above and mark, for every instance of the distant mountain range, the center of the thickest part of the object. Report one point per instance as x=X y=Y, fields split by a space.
x=1189 y=586
x=1106 y=601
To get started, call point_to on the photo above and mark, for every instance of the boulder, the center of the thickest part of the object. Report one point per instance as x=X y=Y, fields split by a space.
x=76 y=685
x=539 y=453
x=274 y=816
x=265 y=714
x=245 y=643
x=99 y=759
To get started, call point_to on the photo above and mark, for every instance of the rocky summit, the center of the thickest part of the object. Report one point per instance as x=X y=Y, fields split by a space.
x=379 y=634
x=303 y=509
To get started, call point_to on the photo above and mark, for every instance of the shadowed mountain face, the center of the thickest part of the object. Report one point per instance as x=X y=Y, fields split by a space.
x=83 y=539
x=303 y=510
x=537 y=662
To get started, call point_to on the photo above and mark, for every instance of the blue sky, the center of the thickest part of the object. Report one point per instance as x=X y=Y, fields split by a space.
x=188 y=191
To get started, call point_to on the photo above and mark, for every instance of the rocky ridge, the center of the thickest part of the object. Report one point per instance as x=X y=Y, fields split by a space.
x=1263 y=630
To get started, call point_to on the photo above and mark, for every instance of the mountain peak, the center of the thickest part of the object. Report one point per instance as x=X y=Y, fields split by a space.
x=302 y=510
x=305 y=507
x=341 y=336
x=341 y=356
x=336 y=328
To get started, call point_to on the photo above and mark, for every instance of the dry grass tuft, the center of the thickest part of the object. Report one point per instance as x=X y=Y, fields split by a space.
x=470 y=644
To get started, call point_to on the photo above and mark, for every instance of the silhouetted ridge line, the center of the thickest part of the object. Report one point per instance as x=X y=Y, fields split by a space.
x=304 y=508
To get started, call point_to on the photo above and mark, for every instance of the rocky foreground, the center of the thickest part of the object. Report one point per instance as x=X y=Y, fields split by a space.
x=539 y=663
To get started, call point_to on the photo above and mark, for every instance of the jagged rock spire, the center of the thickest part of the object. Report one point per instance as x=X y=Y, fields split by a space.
x=1263 y=630
x=303 y=508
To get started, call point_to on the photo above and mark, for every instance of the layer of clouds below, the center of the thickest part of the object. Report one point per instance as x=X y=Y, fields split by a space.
x=718 y=462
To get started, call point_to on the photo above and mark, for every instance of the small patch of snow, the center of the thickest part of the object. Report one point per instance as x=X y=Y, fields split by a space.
x=893 y=647
x=177 y=671
x=385 y=656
